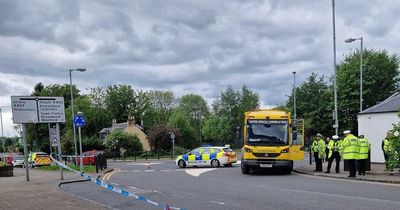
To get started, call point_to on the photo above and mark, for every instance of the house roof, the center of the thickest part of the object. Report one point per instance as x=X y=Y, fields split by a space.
x=117 y=126
x=390 y=104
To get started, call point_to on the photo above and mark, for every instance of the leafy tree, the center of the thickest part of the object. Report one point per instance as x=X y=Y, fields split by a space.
x=119 y=139
x=120 y=101
x=162 y=105
x=232 y=104
x=380 y=80
x=160 y=137
x=217 y=130
x=314 y=105
x=180 y=121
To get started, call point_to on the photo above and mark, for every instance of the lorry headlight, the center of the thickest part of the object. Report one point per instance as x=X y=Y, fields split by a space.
x=285 y=150
x=248 y=150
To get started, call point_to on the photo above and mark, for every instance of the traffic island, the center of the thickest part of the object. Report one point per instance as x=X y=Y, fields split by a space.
x=377 y=173
x=6 y=171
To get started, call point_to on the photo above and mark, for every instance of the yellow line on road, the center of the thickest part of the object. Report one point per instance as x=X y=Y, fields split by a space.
x=108 y=175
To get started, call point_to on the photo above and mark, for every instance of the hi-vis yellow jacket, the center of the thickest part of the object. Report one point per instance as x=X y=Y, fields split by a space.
x=364 y=147
x=334 y=147
x=350 y=147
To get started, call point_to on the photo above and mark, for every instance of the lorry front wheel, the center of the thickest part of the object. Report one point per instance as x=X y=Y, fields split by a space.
x=245 y=169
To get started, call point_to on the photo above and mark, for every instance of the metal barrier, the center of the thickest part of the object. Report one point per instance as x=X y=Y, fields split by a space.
x=115 y=189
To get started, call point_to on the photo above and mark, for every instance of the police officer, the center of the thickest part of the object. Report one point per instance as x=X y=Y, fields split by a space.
x=350 y=151
x=334 y=147
x=326 y=148
x=318 y=148
x=386 y=147
x=363 y=149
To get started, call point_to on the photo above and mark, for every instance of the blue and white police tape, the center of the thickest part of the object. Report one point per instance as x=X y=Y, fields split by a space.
x=113 y=188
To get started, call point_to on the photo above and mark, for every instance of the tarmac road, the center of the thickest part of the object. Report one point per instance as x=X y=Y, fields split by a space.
x=228 y=188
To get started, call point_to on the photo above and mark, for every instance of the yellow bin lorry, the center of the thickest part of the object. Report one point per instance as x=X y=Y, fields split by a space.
x=272 y=139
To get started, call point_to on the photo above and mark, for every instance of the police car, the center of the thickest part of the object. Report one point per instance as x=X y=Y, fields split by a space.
x=207 y=156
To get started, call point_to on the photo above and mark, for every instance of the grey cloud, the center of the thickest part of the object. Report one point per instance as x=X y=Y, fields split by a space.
x=187 y=46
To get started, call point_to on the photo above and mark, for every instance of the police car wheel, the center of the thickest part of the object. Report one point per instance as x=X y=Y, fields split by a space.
x=181 y=164
x=215 y=163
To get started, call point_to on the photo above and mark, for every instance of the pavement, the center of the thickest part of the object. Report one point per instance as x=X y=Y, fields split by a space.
x=42 y=192
x=377 y=173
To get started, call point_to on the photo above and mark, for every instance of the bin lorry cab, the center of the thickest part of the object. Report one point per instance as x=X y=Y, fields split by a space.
x=271 y=140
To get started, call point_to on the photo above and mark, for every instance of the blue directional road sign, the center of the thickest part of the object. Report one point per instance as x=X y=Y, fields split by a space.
x=79 y=121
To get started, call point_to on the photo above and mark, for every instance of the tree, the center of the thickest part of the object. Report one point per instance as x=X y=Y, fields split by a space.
x=180 y=121
x=162 y=105
x=314 y=105
x=380 y=80
x=160 y=137
x=217 y=130
x=120 y=101
x=119 y=139
x=194 y=108
x=232 y=104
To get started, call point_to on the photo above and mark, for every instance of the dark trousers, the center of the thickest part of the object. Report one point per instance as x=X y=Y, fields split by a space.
x=352 y=167
x=362 y=164
x=386 y=156
x=335 y=156
x=327 y=154
x=318 y=162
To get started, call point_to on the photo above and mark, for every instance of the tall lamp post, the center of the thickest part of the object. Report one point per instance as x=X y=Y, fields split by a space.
x=350 y=40
x=2 y=134
x=2 y=131
x=294 y=95
x=336 y=125
x=72 y=109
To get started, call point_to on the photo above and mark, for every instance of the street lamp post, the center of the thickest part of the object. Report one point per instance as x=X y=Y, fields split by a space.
x=294 y=95
x=350 y=40
x=2 y=135
x=72 y=109
x=336 y=126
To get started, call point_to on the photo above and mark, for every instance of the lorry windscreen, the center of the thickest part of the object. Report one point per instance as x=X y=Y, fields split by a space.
x=267 y=132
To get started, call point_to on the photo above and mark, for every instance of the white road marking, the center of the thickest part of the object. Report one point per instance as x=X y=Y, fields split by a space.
x=132 y=187
x=197 y=172
x=149 y=170
x=114 y=183
x=144 y=164
x=165 y=170
x=216 y=202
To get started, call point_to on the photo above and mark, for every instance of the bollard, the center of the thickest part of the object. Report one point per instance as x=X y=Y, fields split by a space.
x=96 y=162
x=146 y=155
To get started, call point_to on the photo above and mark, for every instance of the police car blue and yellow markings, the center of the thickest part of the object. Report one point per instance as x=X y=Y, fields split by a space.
x=212 y=156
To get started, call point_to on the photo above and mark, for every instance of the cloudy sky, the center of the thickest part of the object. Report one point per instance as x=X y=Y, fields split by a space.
x=197 y=46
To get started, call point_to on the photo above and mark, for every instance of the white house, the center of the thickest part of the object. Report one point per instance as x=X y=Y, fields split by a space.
x=376 y=121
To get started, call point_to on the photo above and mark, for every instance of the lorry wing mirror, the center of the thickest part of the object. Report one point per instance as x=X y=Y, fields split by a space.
x=294 y=135
x=238 y=132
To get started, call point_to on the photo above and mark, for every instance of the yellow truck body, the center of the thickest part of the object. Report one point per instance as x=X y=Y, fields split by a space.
x=271 y=140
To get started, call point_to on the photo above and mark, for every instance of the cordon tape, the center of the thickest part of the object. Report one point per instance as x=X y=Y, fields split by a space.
x=115 y=189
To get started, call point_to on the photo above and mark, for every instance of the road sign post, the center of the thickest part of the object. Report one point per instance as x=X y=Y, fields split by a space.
x=25 y=152
x=173 y=144
x=79 y=122
x=33 y=109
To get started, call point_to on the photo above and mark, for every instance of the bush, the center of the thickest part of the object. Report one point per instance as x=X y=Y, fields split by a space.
x=118 y=140
x=394 y=139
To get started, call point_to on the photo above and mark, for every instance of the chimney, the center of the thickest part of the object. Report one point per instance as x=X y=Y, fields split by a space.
x=131 y=120
x=114 y=121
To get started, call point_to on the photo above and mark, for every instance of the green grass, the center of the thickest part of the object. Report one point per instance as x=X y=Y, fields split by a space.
x=2 y=164
x=86 y=169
